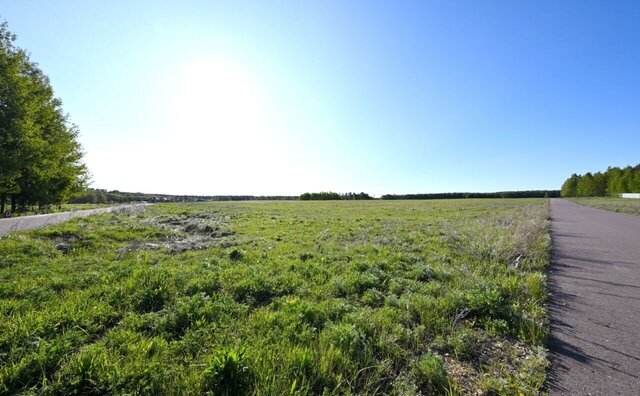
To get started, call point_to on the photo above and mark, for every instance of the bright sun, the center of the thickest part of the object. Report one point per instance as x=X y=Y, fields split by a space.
x=217 y=101
x=221 y=129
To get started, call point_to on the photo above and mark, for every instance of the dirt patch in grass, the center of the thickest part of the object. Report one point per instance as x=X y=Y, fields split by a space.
x=66 y=241
x=188 y=231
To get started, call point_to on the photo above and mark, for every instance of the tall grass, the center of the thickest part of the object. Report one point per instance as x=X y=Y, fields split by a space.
x=614 y=204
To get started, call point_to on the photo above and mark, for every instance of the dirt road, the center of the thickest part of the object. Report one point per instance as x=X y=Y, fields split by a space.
x=595 y=301
x=37 y=221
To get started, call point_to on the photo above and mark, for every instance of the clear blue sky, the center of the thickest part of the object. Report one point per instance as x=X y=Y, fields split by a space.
x=205 y=97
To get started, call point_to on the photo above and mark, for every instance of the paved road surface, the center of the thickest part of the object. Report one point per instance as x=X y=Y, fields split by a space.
x=595 y=301
x=37 y=221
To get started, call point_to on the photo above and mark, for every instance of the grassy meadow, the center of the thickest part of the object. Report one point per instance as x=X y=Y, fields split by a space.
x=614 y=204
x=276 y=298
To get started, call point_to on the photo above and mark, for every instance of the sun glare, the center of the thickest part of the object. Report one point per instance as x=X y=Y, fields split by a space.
x=217 y=101
x=221 y=128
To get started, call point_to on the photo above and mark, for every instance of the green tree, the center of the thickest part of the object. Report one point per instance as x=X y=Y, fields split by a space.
x=40 y=157
x=627 y=179
x=634 y=182
x=13 y=100
x=599 y=184
x=615 y=181
x=570 y=186
x=586 y=186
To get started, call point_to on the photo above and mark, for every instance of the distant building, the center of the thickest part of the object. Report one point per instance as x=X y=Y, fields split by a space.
x=630 y=195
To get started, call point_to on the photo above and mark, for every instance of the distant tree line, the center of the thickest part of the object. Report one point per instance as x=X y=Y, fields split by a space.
x=254 y=197
x=463 y=195
x=97 y=196
x=611 y=182
x=40 y=158
x=333 y=196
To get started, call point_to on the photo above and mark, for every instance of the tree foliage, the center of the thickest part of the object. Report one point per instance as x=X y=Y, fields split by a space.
x=40 y=157
x=98 y=196
x=611 y=182
x=462 y=195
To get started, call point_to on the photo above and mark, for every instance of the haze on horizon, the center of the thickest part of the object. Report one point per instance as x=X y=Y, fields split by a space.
x=280 y=98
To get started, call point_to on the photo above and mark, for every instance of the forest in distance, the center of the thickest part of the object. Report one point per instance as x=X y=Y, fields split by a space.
x=613 y=181
x=102 y=196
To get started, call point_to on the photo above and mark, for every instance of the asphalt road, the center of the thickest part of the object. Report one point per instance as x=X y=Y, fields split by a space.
x=595 y=301
x=37 y=221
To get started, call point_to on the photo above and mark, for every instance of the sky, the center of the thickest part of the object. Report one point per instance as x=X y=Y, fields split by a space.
x=284 y=97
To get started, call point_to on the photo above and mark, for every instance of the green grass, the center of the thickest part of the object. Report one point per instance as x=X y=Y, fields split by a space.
x=614 y=204
x=438 y=297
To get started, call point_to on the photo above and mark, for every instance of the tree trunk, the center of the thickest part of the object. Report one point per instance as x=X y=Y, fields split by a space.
x=2 y=199
x=13 y=204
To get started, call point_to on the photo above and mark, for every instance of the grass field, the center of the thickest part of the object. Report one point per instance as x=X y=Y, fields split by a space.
x=621 y=205
x=403 y=297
